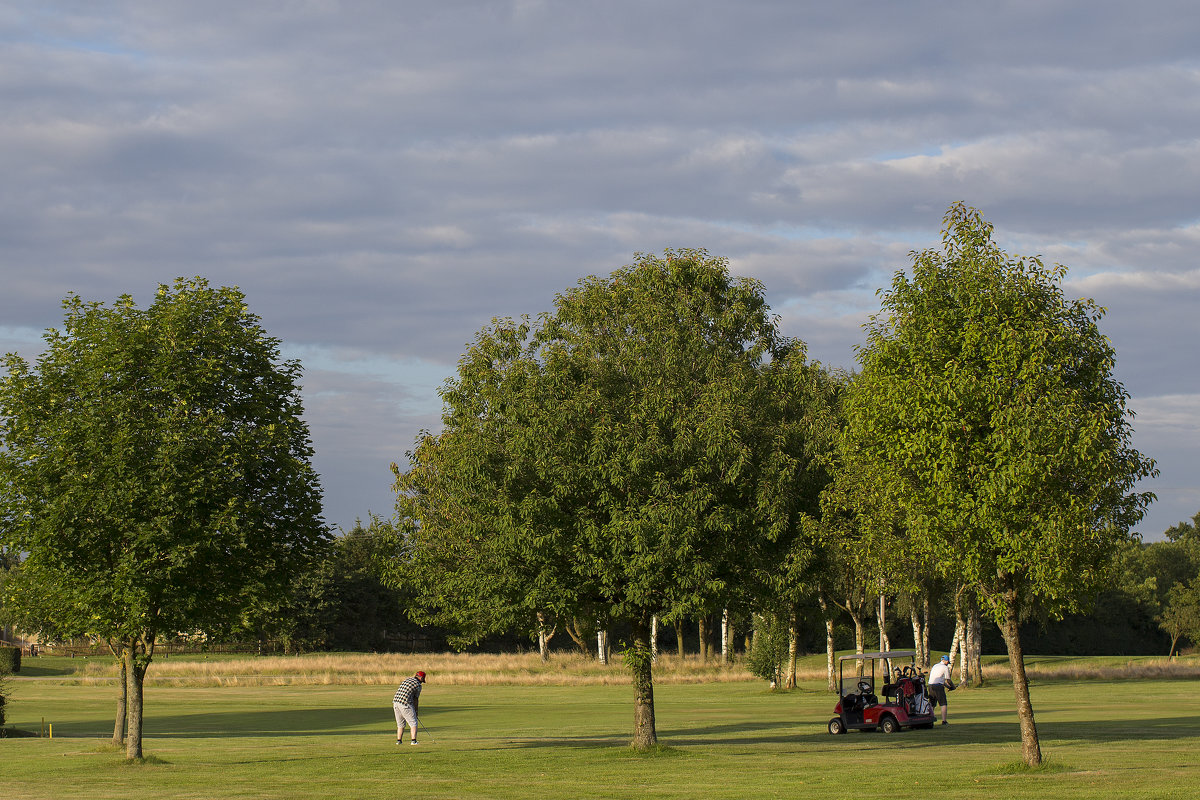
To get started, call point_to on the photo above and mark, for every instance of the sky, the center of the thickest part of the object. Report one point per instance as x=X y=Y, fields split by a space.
x=383 y=178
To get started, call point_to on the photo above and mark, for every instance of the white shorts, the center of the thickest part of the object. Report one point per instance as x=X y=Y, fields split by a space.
x=405 y=713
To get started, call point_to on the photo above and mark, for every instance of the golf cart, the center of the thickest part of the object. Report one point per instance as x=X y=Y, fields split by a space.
x=904 y=704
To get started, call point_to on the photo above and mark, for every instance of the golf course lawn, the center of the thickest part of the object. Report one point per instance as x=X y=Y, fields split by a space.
x=732 y=740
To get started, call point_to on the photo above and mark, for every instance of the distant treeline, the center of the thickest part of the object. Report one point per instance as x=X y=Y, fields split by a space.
x=343 y=605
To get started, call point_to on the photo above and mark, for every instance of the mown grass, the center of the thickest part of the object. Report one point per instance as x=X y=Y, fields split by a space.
x=730 y=739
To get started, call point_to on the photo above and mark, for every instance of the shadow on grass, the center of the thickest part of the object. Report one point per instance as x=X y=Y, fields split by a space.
x=284 y=722
x=357 y=721
x=959 y=732
x=48 y=670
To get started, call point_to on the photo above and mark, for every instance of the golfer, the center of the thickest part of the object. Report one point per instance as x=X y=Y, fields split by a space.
x=404 y=703
x=939 y=682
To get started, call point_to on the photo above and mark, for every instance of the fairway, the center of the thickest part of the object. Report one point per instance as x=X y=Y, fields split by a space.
x=730 y=740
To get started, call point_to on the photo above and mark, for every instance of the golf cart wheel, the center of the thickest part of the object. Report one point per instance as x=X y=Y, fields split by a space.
x=836 y=726
x=888 y=724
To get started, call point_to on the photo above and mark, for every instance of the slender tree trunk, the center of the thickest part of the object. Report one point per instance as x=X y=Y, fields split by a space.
x=679 y=639
x=915 y=618
x=726 y=637
x=884 y=643
x=830 y=649
x=654 y=638
x=860 y=640
x=702 y=631
x=118 y=738
x=577 y=636
x=974 y=644
x=1031 y=750
x=644 y=734
x=959 y=645
x=925 y=660
x=122 y=720
x=793 y=646
x=602 y=646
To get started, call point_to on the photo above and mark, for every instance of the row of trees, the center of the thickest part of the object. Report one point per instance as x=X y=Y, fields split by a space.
x=652 y=451
x=656 y=449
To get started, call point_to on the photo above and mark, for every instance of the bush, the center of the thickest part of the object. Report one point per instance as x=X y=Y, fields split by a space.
x=5 y=683
x=10 y=660
x=769 y=652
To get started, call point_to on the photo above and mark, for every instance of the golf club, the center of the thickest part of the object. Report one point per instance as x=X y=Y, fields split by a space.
x=427 y=733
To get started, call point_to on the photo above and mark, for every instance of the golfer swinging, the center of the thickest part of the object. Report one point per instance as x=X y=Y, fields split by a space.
x=404 y=703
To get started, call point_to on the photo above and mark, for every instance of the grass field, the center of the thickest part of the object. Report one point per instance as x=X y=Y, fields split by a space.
x=1105 y=736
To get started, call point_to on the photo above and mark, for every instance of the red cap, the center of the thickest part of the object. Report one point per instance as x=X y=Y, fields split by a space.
x=421 y=677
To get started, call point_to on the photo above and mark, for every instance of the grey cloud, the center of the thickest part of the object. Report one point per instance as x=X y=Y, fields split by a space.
x=386 y=177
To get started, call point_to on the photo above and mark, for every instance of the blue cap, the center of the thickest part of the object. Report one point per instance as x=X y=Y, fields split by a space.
x=945 y=658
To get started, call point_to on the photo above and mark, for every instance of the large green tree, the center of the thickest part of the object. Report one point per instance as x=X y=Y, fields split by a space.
x=616 y=461
x=155 y=473
x=988 y=409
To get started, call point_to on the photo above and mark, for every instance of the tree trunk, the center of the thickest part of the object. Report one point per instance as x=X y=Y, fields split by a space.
x=654 y=638
x=860 y=641
x=919 y=614
x=577 y=636
x=915 y=618
x=119 y=725
x=793 y=646
x=702 y=631
x=644 y=734
x=974 y=642
x=830 y=649
x=118 y=739
x=884 y=643
x=925 y=660
x=1031 y=750
x=726 y=637
x=679 y=639
x=602 y=646
x=544 y=636
x=959 y=645
x=135 y=676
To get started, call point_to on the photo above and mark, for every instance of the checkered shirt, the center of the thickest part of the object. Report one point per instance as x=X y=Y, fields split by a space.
x=408 y=692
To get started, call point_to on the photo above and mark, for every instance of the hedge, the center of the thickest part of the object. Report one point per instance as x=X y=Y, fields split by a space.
x=10 y=659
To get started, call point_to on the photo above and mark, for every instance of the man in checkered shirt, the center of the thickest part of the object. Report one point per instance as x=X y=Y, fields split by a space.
x=404 y=703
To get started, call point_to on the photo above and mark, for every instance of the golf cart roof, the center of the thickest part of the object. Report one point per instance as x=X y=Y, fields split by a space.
x=884 y=654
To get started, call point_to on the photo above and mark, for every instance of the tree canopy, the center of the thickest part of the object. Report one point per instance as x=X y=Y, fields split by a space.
x=988 y=410
x=155 y=472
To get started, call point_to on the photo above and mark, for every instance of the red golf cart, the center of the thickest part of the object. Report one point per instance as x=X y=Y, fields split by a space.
x=903 y=704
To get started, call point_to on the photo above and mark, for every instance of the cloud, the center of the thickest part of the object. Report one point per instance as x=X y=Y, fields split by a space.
x=382 y=178
x=1167 y=429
